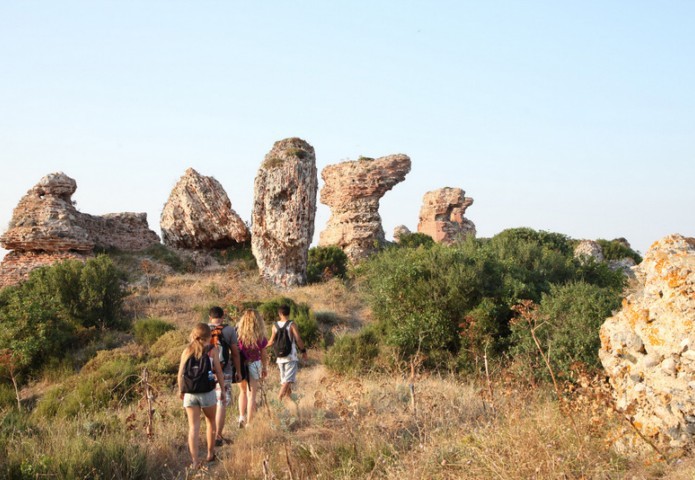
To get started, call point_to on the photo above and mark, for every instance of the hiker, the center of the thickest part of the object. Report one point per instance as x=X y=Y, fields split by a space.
x=252 y=343
x=196 y=378
x=225 y=338
x=285 y=339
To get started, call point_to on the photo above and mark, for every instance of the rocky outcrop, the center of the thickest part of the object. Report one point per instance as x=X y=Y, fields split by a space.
x=284 y=209
x=198 y=215
x=588 y=249
x=46 y=227
x=399 y=231
x=352 y=190
x=648 y=348
x=442 y=215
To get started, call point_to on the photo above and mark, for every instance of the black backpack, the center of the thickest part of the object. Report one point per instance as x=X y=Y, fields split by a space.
x=218 y=340
x=283 y=340
x=197 y=374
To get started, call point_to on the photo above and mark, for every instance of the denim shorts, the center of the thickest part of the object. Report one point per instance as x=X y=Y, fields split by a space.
x=255 y=370
x=202 y=400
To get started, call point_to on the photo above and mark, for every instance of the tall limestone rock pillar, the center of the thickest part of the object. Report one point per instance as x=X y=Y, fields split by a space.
x=648 y=348
x=353 y=190
x=284 y=209
x=441 y=215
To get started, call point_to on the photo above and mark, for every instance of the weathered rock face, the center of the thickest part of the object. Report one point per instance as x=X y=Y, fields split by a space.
x=587 y=249
x=648 y=348
x=46 y=228
x=284 y=209
x=399 y=231
x=199 y=215
x=442 y=215
x=352 y=190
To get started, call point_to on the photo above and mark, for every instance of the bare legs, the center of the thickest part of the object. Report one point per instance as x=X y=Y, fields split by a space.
x=220 y=416
x=285 y=390
x=247 y=399
x=193 y=414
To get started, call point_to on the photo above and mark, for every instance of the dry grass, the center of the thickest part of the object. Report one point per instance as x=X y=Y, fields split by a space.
x=345 y=427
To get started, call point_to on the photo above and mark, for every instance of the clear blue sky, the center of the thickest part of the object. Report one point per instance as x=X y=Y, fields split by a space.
x=575 y=117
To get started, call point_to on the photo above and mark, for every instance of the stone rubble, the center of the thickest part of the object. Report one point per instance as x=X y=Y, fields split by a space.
x=648 y=348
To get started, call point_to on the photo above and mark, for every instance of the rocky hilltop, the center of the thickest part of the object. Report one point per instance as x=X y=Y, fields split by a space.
x=198 y=215
x=442 y=215
x=46 y=227
x=284 y=208
x=648 y=348
x=352 y=190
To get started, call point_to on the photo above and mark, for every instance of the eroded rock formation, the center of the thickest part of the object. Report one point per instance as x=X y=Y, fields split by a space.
x=46 y=227
x=284 y=209
x=352 y=190
x=587 y=249
x=442 y=215
x=648 y=348
x=399 y=231
x=198 y=215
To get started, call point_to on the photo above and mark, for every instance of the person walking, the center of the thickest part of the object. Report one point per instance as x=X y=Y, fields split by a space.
x=198 y=369
x=224 y=337
x=252 y=344
x=285 y=339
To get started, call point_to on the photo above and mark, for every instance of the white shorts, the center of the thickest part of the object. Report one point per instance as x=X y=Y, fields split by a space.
x=288 y=371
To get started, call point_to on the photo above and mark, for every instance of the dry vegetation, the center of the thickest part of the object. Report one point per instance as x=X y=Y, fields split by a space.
x=392 y=425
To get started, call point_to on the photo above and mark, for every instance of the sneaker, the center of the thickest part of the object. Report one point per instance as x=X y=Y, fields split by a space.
x=242 y=422
x=219 y=442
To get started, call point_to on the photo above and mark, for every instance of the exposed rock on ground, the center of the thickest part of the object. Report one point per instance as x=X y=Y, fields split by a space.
x=352 y=190
x=198 y=215
x=442 y=215
x=284 y=209
x=399 y=231
x=587 y=249
x=46 y=227
x=648 y=348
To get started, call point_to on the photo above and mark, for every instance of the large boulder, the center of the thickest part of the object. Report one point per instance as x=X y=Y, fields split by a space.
x=442 y=215
x=586 y=250
x=352 y=190
x=46 y=227
x=198 y=215
x=648 y=348
x=284 y=209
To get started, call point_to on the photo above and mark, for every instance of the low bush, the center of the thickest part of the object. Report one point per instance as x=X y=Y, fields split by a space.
x=300 y=313
x=148 y=330
x=617 y=250
x=414 y=240
x=353 y=353
x=165 y=352
x=325 y=263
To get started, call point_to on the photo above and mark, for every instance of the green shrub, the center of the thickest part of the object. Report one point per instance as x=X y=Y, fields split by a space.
x=148 y=330
x=617 y=250
x=300 y=313
x=571 y=316
x=354 y=354
x=325 y=263
x=42 y=317
x=414 y=240
x=7 y=395
x=163 y=254
x=165 y=352
x=239 y=253
x=107 y=381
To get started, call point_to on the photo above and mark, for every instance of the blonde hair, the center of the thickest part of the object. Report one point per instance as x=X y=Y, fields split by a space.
x=199 y=337
x=251 y=329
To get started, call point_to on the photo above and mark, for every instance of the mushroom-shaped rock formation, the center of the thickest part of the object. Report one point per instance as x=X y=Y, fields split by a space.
x=648 y=348
x=198 y=215
x=352 y=190
x=441 y=215
x=46 y=227
x=284 y=209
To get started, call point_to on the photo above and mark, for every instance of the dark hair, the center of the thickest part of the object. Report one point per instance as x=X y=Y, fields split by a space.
x=216 y=312
x=284 y=310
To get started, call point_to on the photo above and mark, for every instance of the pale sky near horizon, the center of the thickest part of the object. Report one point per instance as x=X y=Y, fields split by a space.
x=572 y=117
